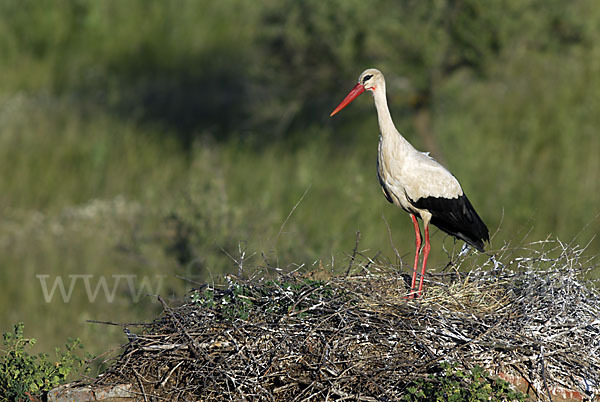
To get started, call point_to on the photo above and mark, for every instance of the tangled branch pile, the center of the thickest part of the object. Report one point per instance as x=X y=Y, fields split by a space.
x=357 y=336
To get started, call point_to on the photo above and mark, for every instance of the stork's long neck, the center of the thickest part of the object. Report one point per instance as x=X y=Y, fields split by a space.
x=386 y=125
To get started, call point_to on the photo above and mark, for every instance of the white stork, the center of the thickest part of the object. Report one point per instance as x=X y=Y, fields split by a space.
x=417 y=183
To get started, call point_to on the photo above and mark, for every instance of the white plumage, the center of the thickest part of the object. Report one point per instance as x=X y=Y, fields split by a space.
x=416 y=182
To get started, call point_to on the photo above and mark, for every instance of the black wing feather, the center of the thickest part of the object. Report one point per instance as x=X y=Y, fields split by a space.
x=457 y=217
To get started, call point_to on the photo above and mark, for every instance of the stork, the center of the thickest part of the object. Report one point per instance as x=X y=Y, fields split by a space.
x=416 y=182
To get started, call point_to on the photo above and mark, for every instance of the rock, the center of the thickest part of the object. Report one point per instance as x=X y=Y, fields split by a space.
x=78 y=393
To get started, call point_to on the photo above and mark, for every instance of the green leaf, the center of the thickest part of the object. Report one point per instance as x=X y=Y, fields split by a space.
x=22 y=373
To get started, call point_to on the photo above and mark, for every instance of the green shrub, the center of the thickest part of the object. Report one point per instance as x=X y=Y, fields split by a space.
x=456 y=385
x=22 y=374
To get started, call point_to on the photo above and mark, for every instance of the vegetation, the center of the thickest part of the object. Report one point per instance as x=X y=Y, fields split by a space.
x=23 y=375
x=458 y=386
x=156 y=140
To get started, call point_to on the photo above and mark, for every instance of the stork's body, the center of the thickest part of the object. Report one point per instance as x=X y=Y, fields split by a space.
x=417 y=183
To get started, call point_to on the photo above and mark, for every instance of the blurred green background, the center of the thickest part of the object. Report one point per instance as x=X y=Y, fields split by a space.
x=148 y=138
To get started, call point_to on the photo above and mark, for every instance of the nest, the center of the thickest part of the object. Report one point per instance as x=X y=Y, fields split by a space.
x=357 y=336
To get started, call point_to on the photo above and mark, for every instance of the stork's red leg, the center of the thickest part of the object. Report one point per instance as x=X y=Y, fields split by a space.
x=425 y=255
x=418 y=245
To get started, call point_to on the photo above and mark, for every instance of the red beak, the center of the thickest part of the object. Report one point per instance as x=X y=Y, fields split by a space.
x=357 y=90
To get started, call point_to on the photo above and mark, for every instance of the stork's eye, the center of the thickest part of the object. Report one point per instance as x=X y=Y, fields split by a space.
x=366 y=78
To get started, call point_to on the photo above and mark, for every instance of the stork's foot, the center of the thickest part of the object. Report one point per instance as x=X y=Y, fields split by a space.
x=412 y=295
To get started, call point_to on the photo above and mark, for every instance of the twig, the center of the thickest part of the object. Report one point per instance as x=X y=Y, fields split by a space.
x=391 y=240
x=544 y=373
x=169 y=311
x=291 y=212
x=354 y=251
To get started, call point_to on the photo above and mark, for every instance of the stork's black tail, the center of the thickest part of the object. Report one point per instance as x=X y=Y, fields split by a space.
x=457 y=217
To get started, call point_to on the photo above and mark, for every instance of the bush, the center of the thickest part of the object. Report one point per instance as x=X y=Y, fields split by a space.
x=457 y=385
x=22 y=374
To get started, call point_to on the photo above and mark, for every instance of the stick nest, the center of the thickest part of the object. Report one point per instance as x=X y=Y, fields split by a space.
x=292 y=336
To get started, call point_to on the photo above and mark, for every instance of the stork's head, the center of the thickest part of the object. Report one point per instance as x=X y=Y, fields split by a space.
x=369 y=80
